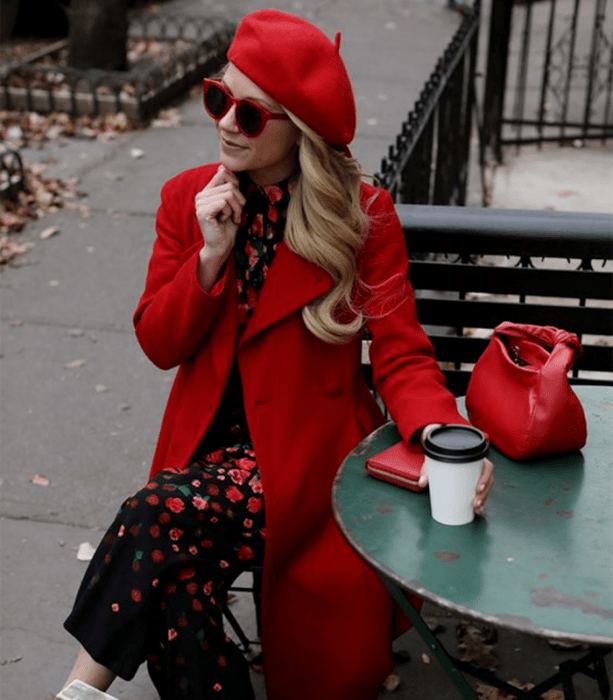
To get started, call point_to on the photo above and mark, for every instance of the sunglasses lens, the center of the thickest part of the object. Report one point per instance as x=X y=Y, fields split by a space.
x=215 y=101
x=249 y=118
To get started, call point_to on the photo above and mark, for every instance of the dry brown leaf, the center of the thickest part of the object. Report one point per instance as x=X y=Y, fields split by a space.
x=477 y=644
x=391 y=683
x=39 y=480
x=74 y=364
x=49 y=232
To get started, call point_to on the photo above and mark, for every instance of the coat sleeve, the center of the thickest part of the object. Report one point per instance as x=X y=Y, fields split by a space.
x=405 y=372
x=175 y=314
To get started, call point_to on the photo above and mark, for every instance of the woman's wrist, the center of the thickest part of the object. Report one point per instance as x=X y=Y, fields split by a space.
x=210 y=264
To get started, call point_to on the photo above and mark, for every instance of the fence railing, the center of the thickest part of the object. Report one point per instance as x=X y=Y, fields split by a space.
x=42 y=83
x=428 y=163
x=549 y=73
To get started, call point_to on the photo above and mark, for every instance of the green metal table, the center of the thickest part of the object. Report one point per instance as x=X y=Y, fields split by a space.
x=540 y=561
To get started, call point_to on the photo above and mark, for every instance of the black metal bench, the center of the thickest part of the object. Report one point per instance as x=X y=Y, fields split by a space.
x=474 y=268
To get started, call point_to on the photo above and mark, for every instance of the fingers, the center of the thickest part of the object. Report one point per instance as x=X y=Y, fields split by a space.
x=423 y=477
x=221 y=199
x=484 y=486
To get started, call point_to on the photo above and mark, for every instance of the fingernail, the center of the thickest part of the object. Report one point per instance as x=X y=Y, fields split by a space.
x=482 y=488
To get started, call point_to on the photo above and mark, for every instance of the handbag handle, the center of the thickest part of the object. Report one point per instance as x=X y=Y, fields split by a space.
x=547 y=336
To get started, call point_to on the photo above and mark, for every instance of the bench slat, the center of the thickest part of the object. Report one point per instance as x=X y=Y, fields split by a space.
x=450 y=276
x=488 y=314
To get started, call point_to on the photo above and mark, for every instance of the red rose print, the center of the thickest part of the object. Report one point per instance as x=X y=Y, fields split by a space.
x=121 y=531
x=238 y=476
x=186 y=574
x=175 y=505
x=195 y=483
x=206 y=544
x=197 y=605
x=182 y=622
x=155 y=531
x=175 y=534
x=134 y=530
x=115 y=607
x=215 y=456
x=136 y=595
x=172 y=634
x=213 y=490
x=274 y=192
x=200 y=503
x=192 y=588
x=208 y=588
x=164 y=518
x=175 y=547
x=151 y=485
x=157 y=556
x=254 y=505
x=273 y=214
x=247 y=523
x=135 y=566
x=155 y=583
x=245 y=463
x=224 y=564
x=108 y=558
x=193 y=550
x=222 y=661
x=233 y=494
x=256 y=485
x=152 y=499
x=245 y=552
x=257 y=227
x=171 y=588
x=217 y=687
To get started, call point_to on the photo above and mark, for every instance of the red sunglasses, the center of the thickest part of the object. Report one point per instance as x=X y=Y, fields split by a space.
x=251 y=118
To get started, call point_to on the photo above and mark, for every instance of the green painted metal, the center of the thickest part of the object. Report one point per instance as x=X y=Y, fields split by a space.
x=540 y=561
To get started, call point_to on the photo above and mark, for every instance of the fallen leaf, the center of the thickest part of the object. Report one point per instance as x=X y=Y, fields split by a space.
x=39 y=480
x=85 y=552
x=74 y=364
x=425 y=658
x=391 y=682
x=48 y=232
x=477 y=645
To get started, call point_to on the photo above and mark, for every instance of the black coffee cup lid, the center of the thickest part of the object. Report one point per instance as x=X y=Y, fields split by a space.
x=456 y=443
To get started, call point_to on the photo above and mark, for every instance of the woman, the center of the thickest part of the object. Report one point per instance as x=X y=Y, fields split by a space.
x=265 y=269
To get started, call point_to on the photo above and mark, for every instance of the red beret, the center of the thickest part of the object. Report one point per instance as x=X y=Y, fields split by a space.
x=299 y=67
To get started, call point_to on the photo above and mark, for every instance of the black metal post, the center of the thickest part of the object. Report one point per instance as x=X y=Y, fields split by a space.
x=496 y=77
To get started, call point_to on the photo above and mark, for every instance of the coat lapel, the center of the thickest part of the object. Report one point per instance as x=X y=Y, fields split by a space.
x=291 y=283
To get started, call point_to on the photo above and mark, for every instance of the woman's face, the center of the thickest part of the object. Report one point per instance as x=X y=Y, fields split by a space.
x=268 y=158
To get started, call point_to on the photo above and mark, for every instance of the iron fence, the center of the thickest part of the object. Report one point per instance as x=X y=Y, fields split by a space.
x=428 y=164
x=549 y=73
x=195 y=47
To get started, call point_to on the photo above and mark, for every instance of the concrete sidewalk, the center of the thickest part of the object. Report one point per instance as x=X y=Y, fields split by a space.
x=81 y=405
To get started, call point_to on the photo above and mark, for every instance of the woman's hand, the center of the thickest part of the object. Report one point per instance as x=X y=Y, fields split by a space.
x=219 y=207
x=484 y=485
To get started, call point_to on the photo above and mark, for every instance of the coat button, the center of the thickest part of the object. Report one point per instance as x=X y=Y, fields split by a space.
x=333 y=389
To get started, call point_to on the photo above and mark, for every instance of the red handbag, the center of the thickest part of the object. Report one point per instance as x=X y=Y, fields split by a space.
x=519 y=393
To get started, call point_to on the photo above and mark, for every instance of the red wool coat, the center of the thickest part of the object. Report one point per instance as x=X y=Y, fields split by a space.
x=327 y=621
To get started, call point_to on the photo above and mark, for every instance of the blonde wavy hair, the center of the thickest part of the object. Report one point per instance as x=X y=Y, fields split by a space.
x=327 y=226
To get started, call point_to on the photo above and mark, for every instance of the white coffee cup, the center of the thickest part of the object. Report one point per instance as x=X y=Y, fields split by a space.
x=454 y=459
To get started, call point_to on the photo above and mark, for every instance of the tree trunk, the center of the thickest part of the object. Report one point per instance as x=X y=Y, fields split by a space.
x=98 y=34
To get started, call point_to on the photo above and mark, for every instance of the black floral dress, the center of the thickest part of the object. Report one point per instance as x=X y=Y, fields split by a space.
x=152 y=591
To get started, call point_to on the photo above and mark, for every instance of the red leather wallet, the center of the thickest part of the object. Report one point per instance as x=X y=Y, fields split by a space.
x=398 y=465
